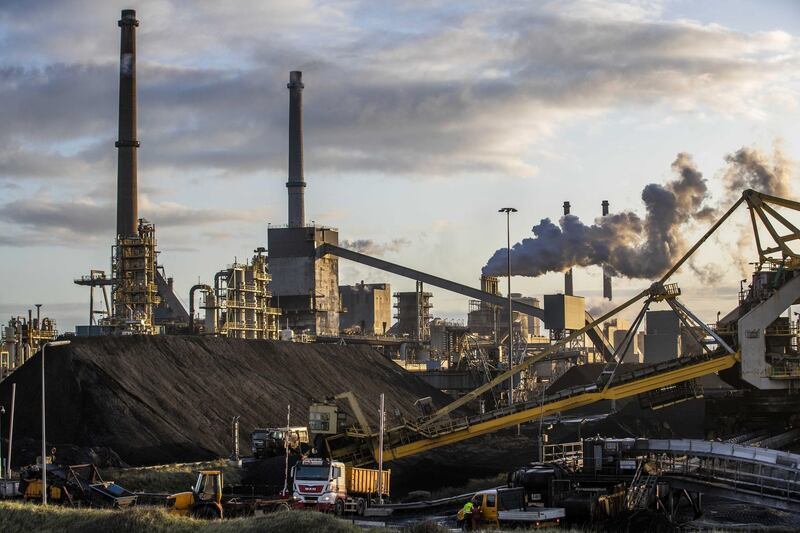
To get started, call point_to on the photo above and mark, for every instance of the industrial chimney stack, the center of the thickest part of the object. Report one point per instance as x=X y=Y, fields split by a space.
x=606 y=276
x=568 y=273
x=127 y=208
x=296 y=183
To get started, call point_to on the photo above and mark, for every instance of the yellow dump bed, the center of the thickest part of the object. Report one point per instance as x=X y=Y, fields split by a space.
x=365 y=481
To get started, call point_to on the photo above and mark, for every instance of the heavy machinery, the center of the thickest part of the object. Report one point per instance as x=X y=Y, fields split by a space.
x=507 y=507
x=754 y=342
x=79 y=485
x=206 y=500
x=333 y=486
x=270 y=442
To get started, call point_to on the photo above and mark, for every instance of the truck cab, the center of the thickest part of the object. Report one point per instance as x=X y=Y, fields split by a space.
x=321 y=484
x=203 y=501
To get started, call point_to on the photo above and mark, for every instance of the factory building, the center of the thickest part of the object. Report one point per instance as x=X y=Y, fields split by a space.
x=305 y=287
x=482 y=317
x=248 y=313
x=413 y=313
x=662 y=341
x=23 y=337
x=366 y=308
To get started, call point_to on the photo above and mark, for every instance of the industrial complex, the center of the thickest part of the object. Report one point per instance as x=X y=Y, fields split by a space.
x=585 y=395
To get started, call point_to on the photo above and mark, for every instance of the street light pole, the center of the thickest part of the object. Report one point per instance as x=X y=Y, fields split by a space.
x=2 y=412
x=44 y=440
x=508 y=211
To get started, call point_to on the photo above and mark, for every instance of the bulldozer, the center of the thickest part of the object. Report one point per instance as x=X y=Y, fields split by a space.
x=203 y=501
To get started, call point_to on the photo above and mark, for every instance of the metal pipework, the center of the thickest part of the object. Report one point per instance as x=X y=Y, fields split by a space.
x=127 y=145
x=194 y=288
x=296 y=185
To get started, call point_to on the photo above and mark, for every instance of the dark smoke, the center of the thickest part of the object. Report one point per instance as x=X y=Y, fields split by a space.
x=749 y=168
x=370 y=247
x=628 y=245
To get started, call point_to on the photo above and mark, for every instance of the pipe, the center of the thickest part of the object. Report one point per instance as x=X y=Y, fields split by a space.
x=568 y=273
x=127 y=207
x=606 y=275
x=191 y=302
x=296 y=185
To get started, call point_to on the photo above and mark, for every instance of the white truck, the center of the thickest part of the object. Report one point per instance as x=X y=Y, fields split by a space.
x=332 y=486
x=497 y=507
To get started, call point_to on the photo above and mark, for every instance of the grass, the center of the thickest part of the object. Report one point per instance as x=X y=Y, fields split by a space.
x=169 y=478
x=29 y=517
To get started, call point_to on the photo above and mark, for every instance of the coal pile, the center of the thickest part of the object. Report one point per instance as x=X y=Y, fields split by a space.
x=162 y=399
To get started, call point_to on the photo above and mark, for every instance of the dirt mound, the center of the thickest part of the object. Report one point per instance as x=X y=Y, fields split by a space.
x=163 y=399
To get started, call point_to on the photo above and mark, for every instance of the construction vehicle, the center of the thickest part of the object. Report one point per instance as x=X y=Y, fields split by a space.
x=206 y=500
x=506 y=507
x=270 y=442
x=332 y=486
x=79 y=485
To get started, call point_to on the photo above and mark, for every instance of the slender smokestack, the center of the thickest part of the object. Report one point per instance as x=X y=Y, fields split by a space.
x=127 y=208
x=606 y=276
x=296 y=183
x=568 y=273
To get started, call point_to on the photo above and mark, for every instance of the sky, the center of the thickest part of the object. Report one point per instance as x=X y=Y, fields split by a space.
x=422 y=119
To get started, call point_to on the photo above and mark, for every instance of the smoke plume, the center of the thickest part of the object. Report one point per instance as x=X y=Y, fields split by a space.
x=749 y=168
x=370 y=247
x=627 y=244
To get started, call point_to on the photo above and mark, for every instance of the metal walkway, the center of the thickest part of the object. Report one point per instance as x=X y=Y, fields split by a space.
x=755 y=475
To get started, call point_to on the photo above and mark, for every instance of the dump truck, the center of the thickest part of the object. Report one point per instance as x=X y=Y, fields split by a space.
x=206 y=500
x=506 y=507
x=332 y=486
x=270 y=442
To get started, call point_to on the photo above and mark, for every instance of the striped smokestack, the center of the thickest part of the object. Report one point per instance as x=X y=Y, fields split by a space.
x=296 y=185
x=127 y=207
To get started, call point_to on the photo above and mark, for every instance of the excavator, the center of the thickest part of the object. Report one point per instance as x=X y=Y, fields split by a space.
x=743 y=343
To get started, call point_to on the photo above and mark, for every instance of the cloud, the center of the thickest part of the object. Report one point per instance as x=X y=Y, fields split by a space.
x=42 y=220
x=472 y=93
x=370 y=247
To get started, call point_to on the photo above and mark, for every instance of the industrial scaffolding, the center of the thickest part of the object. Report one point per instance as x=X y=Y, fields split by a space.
x=135 y=294
x=247 y=301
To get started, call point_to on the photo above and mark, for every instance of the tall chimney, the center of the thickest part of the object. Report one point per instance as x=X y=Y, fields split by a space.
x=127 y=208
x=568 y=273
x=296 y=183
x=606 y=275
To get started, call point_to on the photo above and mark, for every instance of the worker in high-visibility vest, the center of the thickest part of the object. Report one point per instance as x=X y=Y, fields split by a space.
x=467 y=512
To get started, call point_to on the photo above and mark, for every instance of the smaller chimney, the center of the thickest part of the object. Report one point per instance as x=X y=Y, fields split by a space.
x=568 y=273
x=606 y=275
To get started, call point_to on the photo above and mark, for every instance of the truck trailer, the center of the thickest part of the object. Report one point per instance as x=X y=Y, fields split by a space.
x=332 y=486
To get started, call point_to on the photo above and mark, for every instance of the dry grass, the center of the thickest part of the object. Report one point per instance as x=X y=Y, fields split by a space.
x=30 y=517
x=170 y=478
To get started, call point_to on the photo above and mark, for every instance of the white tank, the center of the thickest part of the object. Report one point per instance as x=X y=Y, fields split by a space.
x=287 y=335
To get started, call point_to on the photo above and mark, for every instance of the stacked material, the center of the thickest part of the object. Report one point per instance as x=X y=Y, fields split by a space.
x=161 y=399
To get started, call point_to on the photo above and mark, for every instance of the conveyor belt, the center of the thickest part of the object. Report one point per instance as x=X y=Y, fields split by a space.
x=411 y=439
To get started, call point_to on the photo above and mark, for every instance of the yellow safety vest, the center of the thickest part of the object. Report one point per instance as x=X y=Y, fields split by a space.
x=468 y=507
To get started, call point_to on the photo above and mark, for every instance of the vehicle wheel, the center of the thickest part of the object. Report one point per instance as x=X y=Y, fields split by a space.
x=282 y=507
x=338 y=508
x=360 y=506
x=206 y=512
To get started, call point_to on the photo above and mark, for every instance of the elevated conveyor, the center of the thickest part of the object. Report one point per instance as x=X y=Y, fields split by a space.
x=411 y=438
x=594 y=333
